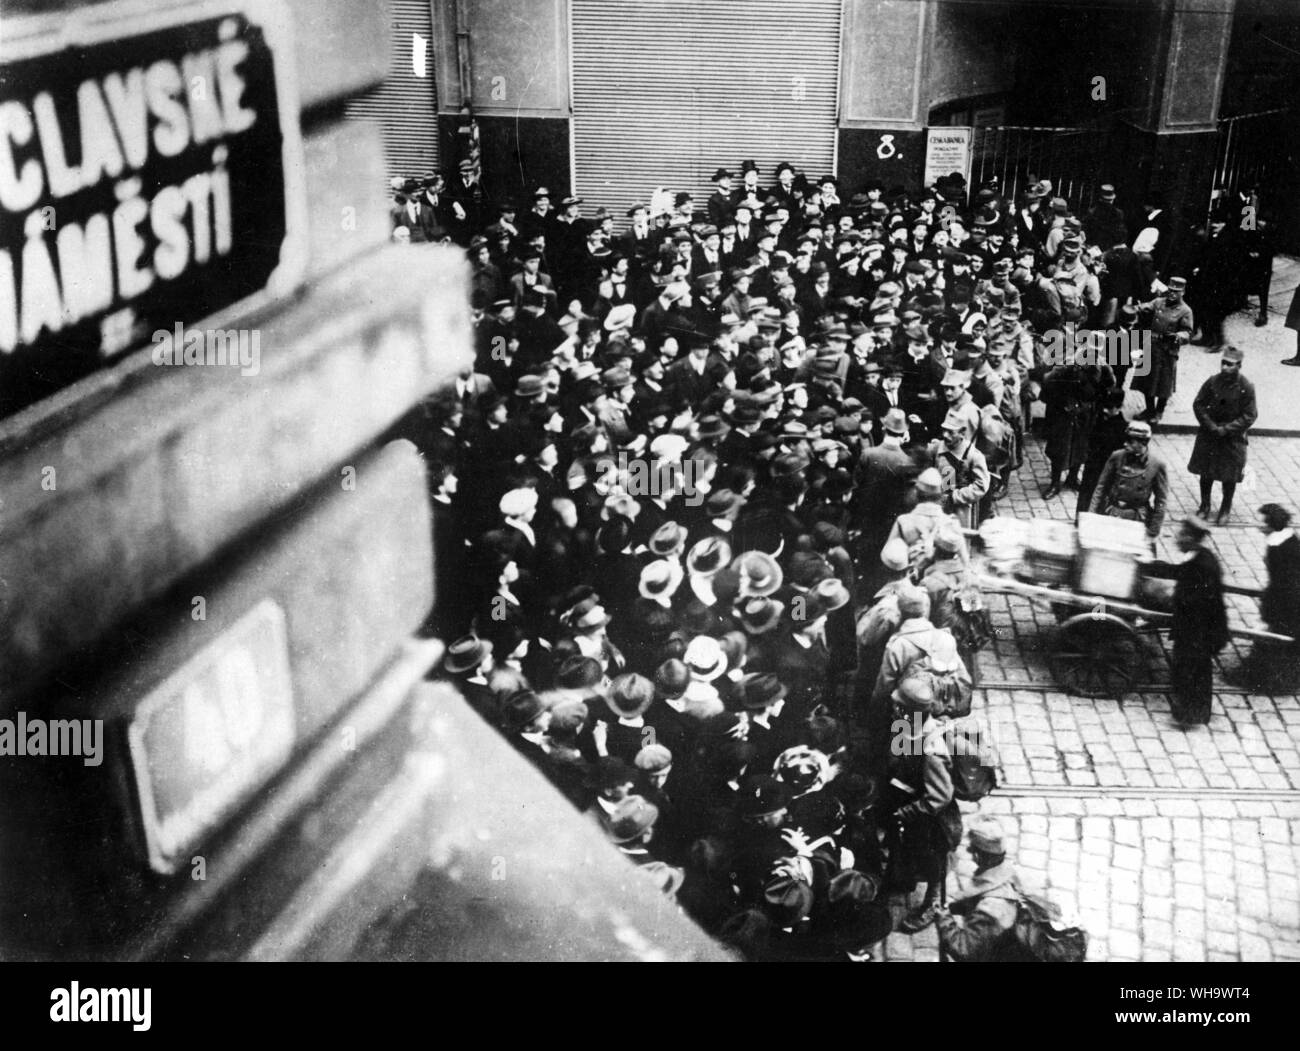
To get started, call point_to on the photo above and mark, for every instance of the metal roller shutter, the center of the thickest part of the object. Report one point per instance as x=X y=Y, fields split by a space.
x=666 y=91
x=404 y=105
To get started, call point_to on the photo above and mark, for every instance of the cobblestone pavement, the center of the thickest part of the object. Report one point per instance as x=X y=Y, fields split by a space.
x=1166 y=844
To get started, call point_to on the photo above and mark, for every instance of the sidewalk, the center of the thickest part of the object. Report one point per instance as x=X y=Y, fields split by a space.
x=1277 y=386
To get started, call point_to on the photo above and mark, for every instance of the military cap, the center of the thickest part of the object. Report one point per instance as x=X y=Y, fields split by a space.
x=1232 y=354
x=1178 y=284
x=986 y=835
x=1138 y=429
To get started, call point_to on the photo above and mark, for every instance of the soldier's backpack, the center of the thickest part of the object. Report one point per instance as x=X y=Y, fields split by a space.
x=1041 y=935
x=949 y=677
x=974 y=760
x=878 y=622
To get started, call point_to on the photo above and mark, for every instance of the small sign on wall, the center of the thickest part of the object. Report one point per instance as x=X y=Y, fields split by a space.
x=947 y=150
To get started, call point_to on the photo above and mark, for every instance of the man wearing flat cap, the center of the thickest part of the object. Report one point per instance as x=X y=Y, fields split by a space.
x=976 y=926
x=1225 y=409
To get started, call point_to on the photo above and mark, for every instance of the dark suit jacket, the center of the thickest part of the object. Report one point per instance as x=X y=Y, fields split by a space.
x=1280 y=603
x=1200 y=620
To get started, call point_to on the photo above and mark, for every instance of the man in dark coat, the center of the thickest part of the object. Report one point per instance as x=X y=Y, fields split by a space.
x=1106 y=438
x=1200 y=622
x=1225 y=409
x=1216 y=279
x=1069 y=394
x=1105 y=224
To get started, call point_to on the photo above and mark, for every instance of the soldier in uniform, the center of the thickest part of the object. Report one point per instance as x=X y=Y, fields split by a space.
x=1171 y=326
x=976 y=926
x=1225 y=409
x=1134 y=483
x=1069 y=395
x=963 y=469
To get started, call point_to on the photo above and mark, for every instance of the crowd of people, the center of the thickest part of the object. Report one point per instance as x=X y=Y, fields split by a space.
x=703 y=507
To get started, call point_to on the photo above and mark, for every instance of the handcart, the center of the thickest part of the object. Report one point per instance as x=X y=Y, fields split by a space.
x=1092 y=578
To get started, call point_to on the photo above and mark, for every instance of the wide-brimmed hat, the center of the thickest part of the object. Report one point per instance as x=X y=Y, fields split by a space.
x=723 y=503
x=758 y=615
x=660 y=579
x=704 y=658
x=631 y=819
x=757 y=690
x=588 y=615
x=707 y=556
x=466 y=653
x=761 y=795
x=578 y=672
x=760 y=574
x=630 y=695
x=667 y=539
x=620 y=317
x=825 y=597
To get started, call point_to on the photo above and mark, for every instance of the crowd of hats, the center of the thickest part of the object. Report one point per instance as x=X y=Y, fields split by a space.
x=647 y=508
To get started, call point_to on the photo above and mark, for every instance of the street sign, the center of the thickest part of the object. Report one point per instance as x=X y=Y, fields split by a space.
x=206 y=739
x=150 y=175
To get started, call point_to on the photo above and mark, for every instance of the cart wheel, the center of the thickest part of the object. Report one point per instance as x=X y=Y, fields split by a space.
x=1096 y=655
